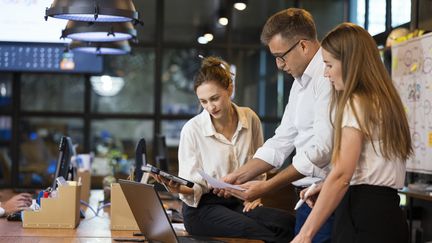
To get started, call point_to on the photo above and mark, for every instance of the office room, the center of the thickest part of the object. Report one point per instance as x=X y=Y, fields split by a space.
x=204 y=100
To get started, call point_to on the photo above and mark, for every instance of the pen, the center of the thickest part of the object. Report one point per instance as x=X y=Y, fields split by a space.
x=306 y=195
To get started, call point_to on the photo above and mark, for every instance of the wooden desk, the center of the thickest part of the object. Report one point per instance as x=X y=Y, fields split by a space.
x=91 y=229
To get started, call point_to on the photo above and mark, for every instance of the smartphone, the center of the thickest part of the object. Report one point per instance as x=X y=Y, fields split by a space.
x=151 y=169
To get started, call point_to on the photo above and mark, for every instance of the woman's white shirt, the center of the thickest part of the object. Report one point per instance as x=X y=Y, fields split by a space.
x=372 y=168
x=202 y=148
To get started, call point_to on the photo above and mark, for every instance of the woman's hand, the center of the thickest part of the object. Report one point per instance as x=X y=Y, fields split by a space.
x=248 y=206
x=17 y=203
x=170 y=185
x=300 y=238
x=312 y=195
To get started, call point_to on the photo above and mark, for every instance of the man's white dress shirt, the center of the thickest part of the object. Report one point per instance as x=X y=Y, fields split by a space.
x=305 y=125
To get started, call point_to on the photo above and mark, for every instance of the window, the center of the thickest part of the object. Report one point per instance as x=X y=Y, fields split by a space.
x=112 y=138
x=401 y=12
x=358 y=11
x=39 y=143
x=52 y=92
x=178 y=71
x=5 y=92
x=136 y=90
x=377 y=19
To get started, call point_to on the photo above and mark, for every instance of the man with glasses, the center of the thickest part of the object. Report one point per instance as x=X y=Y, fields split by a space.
x=291 y=37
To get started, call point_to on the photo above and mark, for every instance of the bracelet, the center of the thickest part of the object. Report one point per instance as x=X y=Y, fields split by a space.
x=2 y=211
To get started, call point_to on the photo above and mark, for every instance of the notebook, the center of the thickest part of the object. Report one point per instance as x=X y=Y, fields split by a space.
x=150 y=215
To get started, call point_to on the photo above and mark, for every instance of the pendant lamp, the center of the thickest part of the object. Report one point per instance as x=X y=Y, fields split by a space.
x=93 y=10
x=101 y=48
x=99 y=31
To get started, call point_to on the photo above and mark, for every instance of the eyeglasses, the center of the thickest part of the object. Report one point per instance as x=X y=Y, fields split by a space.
x=281 y=57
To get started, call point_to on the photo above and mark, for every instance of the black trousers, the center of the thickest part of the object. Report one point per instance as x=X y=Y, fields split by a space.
x=370 y=214
x=223 y=217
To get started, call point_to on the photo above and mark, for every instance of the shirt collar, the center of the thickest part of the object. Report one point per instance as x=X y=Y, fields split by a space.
x=208 y=128
x=310 y=69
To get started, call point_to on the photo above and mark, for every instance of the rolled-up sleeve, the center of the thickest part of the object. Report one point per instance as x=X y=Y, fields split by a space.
x=277 y=148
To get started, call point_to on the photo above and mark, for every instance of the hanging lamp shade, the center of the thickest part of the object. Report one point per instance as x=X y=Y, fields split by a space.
x=102 y=48
x=93 y=10
x=99 y=31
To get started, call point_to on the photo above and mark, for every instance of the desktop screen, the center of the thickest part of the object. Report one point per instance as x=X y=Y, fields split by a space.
x=64 y=166
x=140 y=159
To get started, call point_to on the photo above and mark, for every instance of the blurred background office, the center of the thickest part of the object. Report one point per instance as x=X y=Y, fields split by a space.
x=106 y=103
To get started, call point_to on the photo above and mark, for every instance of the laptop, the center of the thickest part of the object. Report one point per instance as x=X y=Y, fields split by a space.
x=150 y=215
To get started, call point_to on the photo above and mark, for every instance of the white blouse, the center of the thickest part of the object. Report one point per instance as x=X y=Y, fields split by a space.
x=202 y=148
x=372 y=168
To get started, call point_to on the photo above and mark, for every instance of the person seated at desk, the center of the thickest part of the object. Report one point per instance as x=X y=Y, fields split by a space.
x=15 y=204
x=217 y=141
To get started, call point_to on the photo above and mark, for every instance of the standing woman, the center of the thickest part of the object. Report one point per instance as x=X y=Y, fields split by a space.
x=217 y=141
x=371 y=144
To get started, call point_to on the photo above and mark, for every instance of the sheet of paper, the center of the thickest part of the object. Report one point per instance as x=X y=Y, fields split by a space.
x=216 y=183
x=307 y=181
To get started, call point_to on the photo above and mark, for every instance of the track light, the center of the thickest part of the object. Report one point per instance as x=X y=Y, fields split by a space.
x=240 y=5
x=98 y=31
x=101 y=48
x=223 y=16
x=93 y=10
x=223 y=21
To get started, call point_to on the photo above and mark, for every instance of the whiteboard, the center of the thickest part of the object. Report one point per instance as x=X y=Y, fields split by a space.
x=412 y=75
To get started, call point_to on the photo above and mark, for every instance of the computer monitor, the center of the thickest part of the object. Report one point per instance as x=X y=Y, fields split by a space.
x=64 y=166
x=140 y=159
x=161 y=155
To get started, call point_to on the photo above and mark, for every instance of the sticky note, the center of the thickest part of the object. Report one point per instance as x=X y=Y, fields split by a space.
x=414 y=67
x=394 y=63
x=430 y=139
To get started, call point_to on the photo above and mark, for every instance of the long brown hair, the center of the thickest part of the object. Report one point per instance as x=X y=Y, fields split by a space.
x=367 y=81
x=216 y=70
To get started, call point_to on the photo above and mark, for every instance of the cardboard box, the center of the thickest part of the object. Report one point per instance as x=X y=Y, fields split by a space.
x=121 y=214
x=61 y=212
x=85 y=176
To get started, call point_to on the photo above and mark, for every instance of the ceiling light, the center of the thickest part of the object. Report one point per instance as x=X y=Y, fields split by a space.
x=208 y=36
x=101 y=48
x=240 y=5
x=202 y=40
x=98 y=31
x=223 y=15
x=223 y=21
x=106 y=85
x=93 y=10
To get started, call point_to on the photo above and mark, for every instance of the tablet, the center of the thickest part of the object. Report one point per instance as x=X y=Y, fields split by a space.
x=166 y=175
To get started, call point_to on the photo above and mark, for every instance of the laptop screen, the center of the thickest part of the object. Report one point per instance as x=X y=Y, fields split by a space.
x=150 y=216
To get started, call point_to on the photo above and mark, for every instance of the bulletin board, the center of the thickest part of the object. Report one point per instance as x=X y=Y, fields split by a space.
x=412 y=75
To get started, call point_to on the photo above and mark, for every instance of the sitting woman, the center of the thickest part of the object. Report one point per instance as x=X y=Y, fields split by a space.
x=218 y=141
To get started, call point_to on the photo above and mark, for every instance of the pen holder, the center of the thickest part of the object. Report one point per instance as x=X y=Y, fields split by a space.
x=60 y=212
x=121 y=214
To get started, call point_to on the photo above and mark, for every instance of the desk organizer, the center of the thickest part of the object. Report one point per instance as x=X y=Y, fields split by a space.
x=61 y=212
x=121 y=214
x=85 y=176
